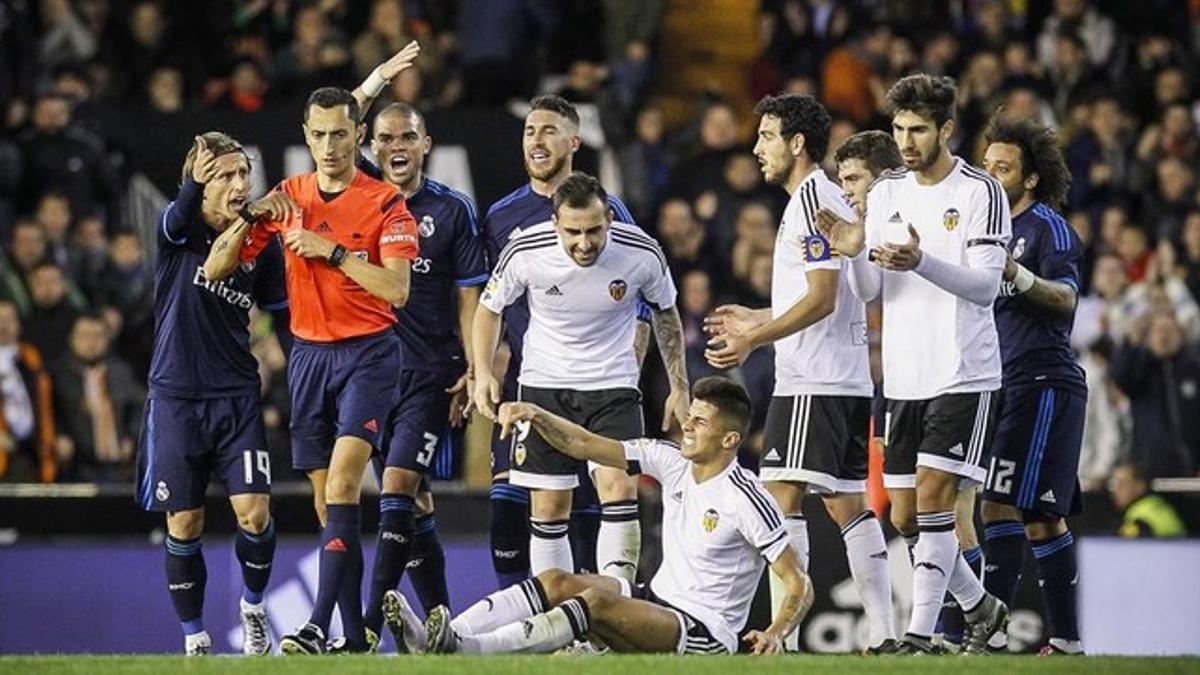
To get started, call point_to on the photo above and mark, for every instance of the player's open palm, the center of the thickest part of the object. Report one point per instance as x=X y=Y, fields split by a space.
x=400 y=60
x=733 y=320
x=204 y=164
x=847 y=238
x=763 y=642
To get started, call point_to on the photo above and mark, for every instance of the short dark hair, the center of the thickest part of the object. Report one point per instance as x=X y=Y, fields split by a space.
x=926 y=95
x=403 y=109
x=578 y=191
x=332 y=97
x=219 y=143
x=555 y=104
x=1040 y=154
x=877 y=149
x=800 y=114
x=728 y=397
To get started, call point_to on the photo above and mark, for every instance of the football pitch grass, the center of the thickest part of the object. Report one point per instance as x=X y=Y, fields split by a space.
x=589 y=665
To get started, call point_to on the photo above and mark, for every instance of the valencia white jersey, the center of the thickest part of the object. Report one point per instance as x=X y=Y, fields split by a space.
x=935 y=342
x=582 y=319
x=716 y=537
x=829 y=358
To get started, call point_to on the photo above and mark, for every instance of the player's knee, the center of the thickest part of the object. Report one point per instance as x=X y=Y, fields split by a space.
x=994 y=511
x=844 y=507
x=402 y=481
x=341 y=489
x=186 y=524
x=903 y=518
x=599 y=602
x=555 y=582
x=614 y=486
x=254 y=518
x=936 y=490
x=550 y=505
x=1042 y=526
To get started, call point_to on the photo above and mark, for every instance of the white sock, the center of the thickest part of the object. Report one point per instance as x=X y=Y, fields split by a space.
x=797 y=529
x=934 y=554
x=619 y=544
x=966 y=588
x=549 y=547
x=541 y=633
x=866 y=551
x=519 y=601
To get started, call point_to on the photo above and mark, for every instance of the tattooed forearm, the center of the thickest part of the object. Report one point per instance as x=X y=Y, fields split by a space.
x=641 y=342
x=668 y=332
x=575 y=441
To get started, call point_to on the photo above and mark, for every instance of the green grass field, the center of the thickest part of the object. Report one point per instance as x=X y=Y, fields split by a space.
x=588 y=665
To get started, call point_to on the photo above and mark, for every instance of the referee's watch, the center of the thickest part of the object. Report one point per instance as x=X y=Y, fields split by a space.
x=338 y=255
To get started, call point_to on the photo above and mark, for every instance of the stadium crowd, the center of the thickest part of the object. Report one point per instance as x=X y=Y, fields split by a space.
x=1117 y=80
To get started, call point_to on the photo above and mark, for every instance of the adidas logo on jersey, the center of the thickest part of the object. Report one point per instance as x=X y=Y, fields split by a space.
x=553 y=291
x=957 y=450
x=896 y=218
x=772 y=455
x=324 y=227
x=1048 y=497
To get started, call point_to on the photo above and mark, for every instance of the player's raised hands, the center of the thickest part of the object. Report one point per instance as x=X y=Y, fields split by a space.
x=487 y=394
x=900 y=257
x=764 y=642
x=400 y=61
x=275 y=206
x=845 y=237
x=204 y=164
x=513 y=413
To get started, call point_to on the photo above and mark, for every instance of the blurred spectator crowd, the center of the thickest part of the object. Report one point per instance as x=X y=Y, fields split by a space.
x=1117 y=79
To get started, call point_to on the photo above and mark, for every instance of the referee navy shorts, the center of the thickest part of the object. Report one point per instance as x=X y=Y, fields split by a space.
x=950 y=433
x=818 y=440
x=343 y=388
x=615 y=413
x=1035 y=457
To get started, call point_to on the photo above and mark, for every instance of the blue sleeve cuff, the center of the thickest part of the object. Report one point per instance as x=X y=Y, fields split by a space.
x=1070 y=281
x=167 y=230
x=473 y=281
x=275 y=306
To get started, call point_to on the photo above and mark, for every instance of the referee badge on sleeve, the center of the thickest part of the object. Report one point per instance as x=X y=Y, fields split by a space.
x=711 y=518
x=816 y=249
x=616 y=289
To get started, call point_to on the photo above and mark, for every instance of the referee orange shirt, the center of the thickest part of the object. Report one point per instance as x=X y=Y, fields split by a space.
x=370 y=219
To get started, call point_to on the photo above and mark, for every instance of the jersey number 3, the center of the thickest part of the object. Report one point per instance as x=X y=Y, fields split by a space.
x=256 y=458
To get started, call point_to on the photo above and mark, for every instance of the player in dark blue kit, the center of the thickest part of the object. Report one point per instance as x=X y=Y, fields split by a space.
x=551 y=138
x=434 y=330
x=204 y=413
x=1032 y=484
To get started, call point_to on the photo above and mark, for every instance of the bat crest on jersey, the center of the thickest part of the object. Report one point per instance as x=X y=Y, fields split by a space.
x=617 y=288
x=711 y=518
x=950 y=219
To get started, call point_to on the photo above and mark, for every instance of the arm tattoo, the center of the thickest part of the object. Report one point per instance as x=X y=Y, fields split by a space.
x=668 y=332
x=557 y=435
x=641 y=342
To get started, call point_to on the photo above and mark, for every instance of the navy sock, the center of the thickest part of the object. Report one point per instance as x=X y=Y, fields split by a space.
x=1004 y=556
x=255 y=552
x=510 y=532
x=186 y=577
x=427 y=564
x=391 y=552
x=349 y=601
x=1058 y=572
x=341 y=545
x=585 y=527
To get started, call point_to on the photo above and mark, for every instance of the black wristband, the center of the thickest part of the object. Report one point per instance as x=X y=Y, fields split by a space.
x=247 y=216
x=338 y=255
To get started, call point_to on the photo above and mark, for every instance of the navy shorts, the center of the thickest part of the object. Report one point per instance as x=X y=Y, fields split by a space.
x=344 y=388
x=420 y=420
x=184 y=441
x=1035 y=456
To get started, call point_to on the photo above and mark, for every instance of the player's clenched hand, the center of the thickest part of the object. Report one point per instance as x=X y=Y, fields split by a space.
x=307 y=244
x=275 y=206
x=900 y=257
x=676 y=407
x=204 y=164
x=732 y=319
x=845 y=237
x=460 y=401
x=487 y=395
x=400 y=61
x=764 y=642
x=513 y=412
x=728 y=351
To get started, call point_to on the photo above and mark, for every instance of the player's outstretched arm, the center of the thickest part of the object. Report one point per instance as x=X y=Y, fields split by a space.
x=732 y=349
x=223 y=257
x=567 y=437
x=485 y=336
x=850 y=240
x=378 y=79
x=668 y=332
x=796 y=603
x=1053 y=296
x=461 y=391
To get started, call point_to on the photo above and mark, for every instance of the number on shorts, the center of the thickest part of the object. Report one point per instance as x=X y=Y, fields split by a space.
x=426 y=453
x=1001 y=478
x=251 y=458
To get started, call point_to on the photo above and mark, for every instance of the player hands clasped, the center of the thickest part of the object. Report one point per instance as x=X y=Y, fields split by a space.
x=818 y=420
x=204 y=409
x=932 y=247
x=350 y=242
x=719 y=528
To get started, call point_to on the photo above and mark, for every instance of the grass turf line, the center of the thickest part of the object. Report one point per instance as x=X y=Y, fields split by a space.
x=589 y=665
